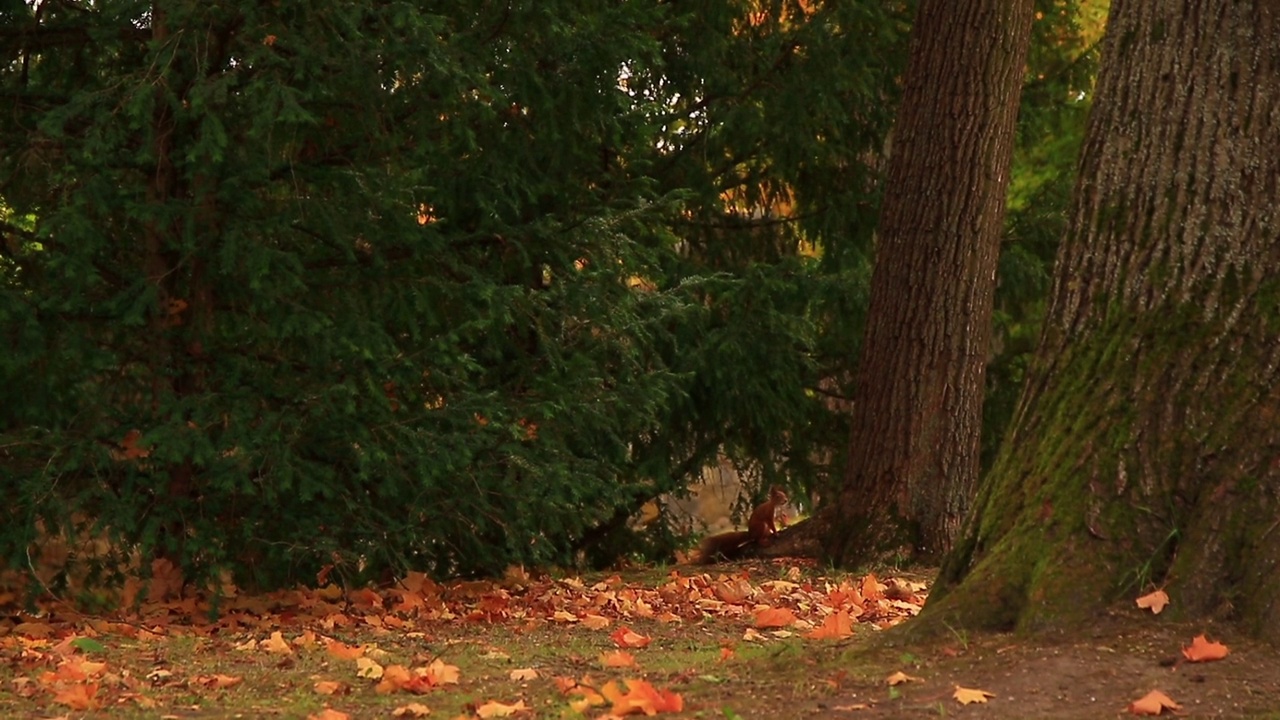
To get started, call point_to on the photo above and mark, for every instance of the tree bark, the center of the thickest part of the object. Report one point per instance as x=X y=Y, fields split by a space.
x=916 y=426
x=1145 y=451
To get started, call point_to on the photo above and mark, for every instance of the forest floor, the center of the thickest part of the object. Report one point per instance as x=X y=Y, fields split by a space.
x=747 y=640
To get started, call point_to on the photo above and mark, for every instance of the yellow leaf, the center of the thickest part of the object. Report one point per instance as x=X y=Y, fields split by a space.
x=899 y=678
x=277 y=644
x=1155 y=601
x=965 y=696
x=367 y=668
x=1153 y=703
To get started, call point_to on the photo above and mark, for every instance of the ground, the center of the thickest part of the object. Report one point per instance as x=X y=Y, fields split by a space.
x=748 y=640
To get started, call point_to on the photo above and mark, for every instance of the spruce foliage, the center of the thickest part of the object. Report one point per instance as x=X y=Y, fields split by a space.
x=432 y=285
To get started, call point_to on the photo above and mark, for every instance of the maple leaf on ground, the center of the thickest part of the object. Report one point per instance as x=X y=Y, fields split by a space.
x=217 y=681
x=641 y=697
x=440 y=673
x=83 y=696
x=617 y=658
x=965 y=696
x=1202 y=650
x=625 y=637
x=774 y=618
x=328 y=687
x=343 y=651
x=524 y=674
x=493 y=709
x=1153 y=703
x=899 y=678
x=836 y=626
x=1155 y=601
x=595 y=622
x=277 y=644
x=368 y=668
x=411 y=710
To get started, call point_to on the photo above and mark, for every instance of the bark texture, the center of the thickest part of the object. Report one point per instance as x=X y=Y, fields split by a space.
x=1146 y=448
x=917 y=421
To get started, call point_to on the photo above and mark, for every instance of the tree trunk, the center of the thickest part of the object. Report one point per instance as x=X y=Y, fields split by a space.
x=1145 y=451
x=916 y=424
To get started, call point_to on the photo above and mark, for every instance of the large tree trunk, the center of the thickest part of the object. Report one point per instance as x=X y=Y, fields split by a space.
x=1146 y=449
x=917 y=421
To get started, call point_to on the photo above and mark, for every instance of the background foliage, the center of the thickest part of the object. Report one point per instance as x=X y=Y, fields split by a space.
x=446 y=286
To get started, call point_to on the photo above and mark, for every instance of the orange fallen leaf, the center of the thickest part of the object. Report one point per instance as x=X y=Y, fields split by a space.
x=1153 y=703
x=495 y=709
x=726 y=653
x=78 y=697
x=617 y=658
x=440 y=673
x=836 y=626
x=596 y=622
x=524 y=674
x=411 y=710
x=641 y=697
x=217 y=681
x=343 y=651
x=1202 y=650
x=327 y=687
x=625 y=637
x=774 y=618
x=329 y=714
x=965 y=696
x=1155 y=601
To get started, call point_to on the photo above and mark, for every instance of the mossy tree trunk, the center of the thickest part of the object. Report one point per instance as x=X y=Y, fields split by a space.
x=916 y=424
x=1145 y=451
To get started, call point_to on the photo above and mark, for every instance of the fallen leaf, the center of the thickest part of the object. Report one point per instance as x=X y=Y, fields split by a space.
x=495 y=709
x=277 y=644
x=217 y=681
x=329 y=714
x=625 y=637
x=78 y=697
x=411 y=710
x=343 y=651
x=774 y=618
x=965 y=696
x=1202 y=650
x=835 y=626
x=327 y=687
x=899 y=678
x=617 y=658
x=440 y=673
x=1153 y=703
x=367 y=668
x=524 y=674
x=641 y=697
x=596 y=622
x=1155 y=601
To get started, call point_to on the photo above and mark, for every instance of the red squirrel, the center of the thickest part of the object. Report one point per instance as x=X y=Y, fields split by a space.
x=761 y=527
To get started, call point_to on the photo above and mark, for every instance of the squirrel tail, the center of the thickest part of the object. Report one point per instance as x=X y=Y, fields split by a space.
x=725 y=546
